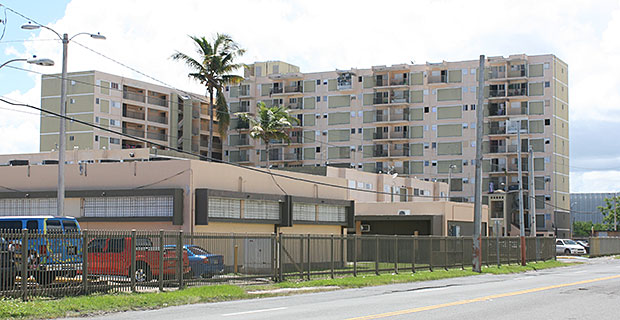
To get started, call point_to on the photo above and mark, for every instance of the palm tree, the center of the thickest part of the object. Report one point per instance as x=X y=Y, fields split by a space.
x=270 y=123
x=213 y=69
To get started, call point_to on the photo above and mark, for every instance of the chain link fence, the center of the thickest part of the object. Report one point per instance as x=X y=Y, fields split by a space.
x=34 y=263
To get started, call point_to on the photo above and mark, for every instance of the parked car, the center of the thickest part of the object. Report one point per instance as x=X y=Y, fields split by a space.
x=54 y=245
x=568 y=246
x=203 y=263
x=584 y=244
x=8 y=271
x=112 y=256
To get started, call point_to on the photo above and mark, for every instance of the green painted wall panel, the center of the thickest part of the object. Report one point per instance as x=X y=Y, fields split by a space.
x=449 y=130
x=443 y=166
x=417 y=96
x=309 y=120
x=368 y=99
x=309 y=153
x=537 y=126
x=339 y=101
x=536 y=70
x=332 y=85
x=309 y=136
x=335 y=118
x=416 y=132
x=416 y=149
x=309 y=86
x=536 y=89
x=536 y=107
x=453 y=112
x=368 y=82
x=455 y=76
x=417 y=167
x=416 y=114
x=338 y=135
x=417 y=78
x=449 y=148
x=449 y=94
x=309 y=103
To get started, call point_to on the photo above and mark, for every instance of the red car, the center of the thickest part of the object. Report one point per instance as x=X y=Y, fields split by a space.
x=112 y=256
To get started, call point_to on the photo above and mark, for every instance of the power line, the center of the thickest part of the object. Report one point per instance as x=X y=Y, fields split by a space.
x=28 y=40
x=208 y=158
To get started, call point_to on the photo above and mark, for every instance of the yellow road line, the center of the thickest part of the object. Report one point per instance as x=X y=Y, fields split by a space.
x=495 y=296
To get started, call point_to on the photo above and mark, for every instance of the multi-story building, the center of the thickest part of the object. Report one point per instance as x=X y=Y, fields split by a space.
x=160 y=114
x=420 y=120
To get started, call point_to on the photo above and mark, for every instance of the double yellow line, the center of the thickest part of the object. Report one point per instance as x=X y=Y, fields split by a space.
x=485 y=298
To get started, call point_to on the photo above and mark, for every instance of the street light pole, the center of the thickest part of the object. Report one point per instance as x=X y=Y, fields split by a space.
x=477 y=241
x=521 y=216
x=63 y=109
x=62 y=133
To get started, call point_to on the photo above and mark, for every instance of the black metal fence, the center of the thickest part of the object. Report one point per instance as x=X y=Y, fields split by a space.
x=53 y=264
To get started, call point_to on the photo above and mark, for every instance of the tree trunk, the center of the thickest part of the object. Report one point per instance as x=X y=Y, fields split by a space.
x=267 y=152
x=210 y=123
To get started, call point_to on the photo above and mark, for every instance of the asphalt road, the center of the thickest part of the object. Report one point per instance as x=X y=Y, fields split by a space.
x=589 y=291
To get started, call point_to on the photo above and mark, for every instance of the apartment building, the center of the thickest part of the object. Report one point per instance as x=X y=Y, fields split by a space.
x=160 y=114
x=420 y=120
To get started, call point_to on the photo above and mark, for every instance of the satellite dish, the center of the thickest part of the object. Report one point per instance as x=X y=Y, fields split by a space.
x=395 y=175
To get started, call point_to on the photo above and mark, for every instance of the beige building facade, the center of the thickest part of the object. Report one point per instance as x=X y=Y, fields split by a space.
x=420 y=121
x=156 y=113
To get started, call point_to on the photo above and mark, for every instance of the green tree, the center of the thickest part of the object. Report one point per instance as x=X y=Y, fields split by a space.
x=269 y=123
x=213 y=68
x=611 y=211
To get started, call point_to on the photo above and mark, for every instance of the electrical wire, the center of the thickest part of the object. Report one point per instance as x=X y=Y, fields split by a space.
x=4 y=22
x=209 y=158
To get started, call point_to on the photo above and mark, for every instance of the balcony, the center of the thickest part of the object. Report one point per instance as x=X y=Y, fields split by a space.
x=195 y=147
x=379 y=153
x=276 y=90
x=380 y=135
x=292 y=157
x=158 y=119
x=438 y=77
x=517 y=71
x=497 y=130
x=133 y=114
x=293 y=89
x=497 y=73
x=495 y=167
x=244 y=91
x=380 y=82
x=157 y=136
x=195 y=114
x=399 y=116
x=158 y=101
x=497 y=93
x=517 y=92
x=400 y=97
x=135 y=96
x=134 y=132
x=399 y=135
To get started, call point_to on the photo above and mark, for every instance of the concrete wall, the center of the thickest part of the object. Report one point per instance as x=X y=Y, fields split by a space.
x=604 y=246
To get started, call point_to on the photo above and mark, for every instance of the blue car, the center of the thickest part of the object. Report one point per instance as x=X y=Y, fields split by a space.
x=203 y=263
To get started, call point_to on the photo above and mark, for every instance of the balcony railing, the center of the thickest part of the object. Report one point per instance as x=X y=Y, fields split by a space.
x=399 y=152
x=158 y=119
x=381 y=100
x=399 y=99
x=133 y=96
x=244 y=92
x=275 y=90
x=238 y=109
x=134 y=132
x=438 y=79
x=497 y=130
x=497 y=149
x=399 y=117
x=497 y=168
x=494 y=74
x=497 y=93
x=517 y=92
x=217 y=145
x=379 y=153
x=291 y=89
x=379 y=82
x=157 y=136
x=380 y=135
x=297 y=139
x=292 y=156
x=295 y=105
x=195 y=131
x=158 y=101
x=399 y=82
x=133 y=114
x=240 y=158
x=195 y=147
x=195 y=114
x=398 y=135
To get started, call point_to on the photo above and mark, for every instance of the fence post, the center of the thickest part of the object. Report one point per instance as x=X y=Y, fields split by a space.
x=85 y=261
x=415 y=240
x=133 y=260
x=488 y=249
x=462 y=253
x=280 y=263
x=309 y=257
x=445 y=253
x=396 y=254
x=377 y=254
x=24 y=266
x=355 y=255
x=332 y=255
x=430 y=258
x=236 y=259
x=180 y=258
x=301 y=257
x=274 y=259
x=160 y=272
x=499 y=263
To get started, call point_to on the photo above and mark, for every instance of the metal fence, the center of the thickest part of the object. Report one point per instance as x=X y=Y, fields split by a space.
x=601 y=246
x=56 y=264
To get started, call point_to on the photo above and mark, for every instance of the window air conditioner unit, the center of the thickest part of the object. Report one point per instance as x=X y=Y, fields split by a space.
x=404 y=212
x=365 y=228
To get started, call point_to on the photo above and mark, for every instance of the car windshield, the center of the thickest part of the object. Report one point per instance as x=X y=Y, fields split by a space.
x=570 y=242
x=198 y=251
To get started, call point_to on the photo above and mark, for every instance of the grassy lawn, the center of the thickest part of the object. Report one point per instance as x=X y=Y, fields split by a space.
x=105 y=303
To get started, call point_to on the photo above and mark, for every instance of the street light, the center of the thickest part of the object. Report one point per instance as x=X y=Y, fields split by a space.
x=34 y=60
x=63 y=107
x=452 y=166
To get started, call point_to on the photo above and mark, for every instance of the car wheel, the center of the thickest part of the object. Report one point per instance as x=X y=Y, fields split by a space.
x=567 y=251
x=143 y=273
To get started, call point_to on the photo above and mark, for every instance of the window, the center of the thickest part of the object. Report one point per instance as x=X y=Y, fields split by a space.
x=115 y=104
x=352 y=130
x=115 y=141
x=359 y=130
x=53 y=226
x=426 y=109
x=426 y=145
x=317 y=149
x=546 y=65
x=71 y=101
x=465 y=125
x=318 y=82
x=464 y=107
x=71 y=138
x=547 y=84
x=473 y=107
x=472 y=89
x=96 y=100
x=324 y=98
x=275 y=69
x=465 y=162
x=547 y=122
x=318 y=99
x=324 y=82
x=359 y=79
x=434 y=144
x=464 y=89
x=96 y=138
x=472 y=71
x=114 y=85
x=96 y=119
x=434 y=163
x=114 y=122
x=426 y=163
x=434 y=109
x=72 y=82
x=227 y=88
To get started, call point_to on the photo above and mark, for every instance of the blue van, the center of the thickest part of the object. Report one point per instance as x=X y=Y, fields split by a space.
x=54 y=245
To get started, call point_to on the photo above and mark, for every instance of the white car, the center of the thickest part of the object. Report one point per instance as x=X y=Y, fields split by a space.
x=568 y=246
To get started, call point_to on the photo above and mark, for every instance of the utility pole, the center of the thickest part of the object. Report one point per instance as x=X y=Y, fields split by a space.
x=532 y=191
x=521 y=216
x=62 y=132
x=477 y=247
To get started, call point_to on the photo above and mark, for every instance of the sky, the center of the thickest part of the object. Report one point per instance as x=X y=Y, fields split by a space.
x=322 y=35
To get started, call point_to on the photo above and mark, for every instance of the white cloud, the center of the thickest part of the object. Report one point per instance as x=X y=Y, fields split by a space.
x=324 y=35
x=595 y=181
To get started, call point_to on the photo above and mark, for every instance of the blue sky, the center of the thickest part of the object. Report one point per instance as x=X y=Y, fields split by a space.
x=324 y=35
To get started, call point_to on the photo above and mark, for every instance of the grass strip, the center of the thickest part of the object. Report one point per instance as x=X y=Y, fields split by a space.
x=105 y=303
